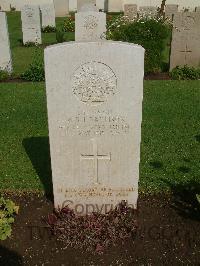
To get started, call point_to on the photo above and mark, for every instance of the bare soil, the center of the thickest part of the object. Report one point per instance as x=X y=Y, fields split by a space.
x=167 y=234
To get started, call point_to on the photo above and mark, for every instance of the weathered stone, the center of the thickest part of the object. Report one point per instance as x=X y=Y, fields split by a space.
x=148 y=11
x=86 y=5
x=31 y=27
x=185 y=40
x=90 y=26
x=115 y=6
x=197 y=9
x=130 y=11
x=5 y=54
x=48 y=15
x=171 y=11
x=94 y=98
x=61 y=8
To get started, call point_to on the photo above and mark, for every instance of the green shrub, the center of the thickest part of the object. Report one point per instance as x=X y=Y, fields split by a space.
x=69 y=25
x=7 y=211
x=185 y=73
x=35 y=71
x=48 y=29
x=4 y=75
x=60 y=35
x=148 y=32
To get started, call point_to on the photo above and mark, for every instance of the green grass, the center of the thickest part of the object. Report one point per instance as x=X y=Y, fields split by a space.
x=23 y=56
x=170 y=154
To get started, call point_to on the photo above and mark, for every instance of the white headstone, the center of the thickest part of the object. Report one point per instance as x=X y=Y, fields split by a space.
x=86 y=5
x=130 y=11
x=100 y=4
x=148 y=11
x=185 y=40
x=61 y=8
x=90 y=26
x=197 y=9
x=171 y=11
x=94 y=98
x=115 y=5
x=31 y=27
x=48 y=15
x=5 y=54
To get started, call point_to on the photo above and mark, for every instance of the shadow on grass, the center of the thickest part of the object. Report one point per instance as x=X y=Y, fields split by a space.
x=185 y=200
x=9 y=258
x=38 y=151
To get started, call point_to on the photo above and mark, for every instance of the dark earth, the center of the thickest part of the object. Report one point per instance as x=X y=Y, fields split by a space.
x=167 y=234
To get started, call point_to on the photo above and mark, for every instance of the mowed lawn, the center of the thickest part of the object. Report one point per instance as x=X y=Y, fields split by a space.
x=170 y=154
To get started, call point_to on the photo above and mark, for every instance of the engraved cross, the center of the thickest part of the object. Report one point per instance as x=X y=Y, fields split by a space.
x=186 y=51
x=96 y=157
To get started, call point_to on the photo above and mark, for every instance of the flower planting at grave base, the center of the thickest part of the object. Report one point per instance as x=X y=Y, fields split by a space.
x=95 y=232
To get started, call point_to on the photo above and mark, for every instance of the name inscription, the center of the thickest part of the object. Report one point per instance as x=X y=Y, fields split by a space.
x=97 y=124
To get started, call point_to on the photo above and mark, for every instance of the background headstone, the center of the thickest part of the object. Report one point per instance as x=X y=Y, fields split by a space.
x=61 y=8
x=5 y=54
x=48 y=15
x=94 y=99
x=115 y=5
x=197 y=9
x=148 y=11
x=185 y=40
x=130 y=11
x=100 y=4
x=89 y=3
x=90 y=26
x=171 y=11
x=31 y=27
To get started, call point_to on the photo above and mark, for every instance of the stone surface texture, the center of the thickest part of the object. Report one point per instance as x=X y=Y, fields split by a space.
x=5 y=53
x=90 y=26
x=31 y=25
x=130 y=11
x=48 y=15
x=94 y=99
x=185 y=40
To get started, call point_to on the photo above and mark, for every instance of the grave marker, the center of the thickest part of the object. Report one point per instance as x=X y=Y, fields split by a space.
x=5 y=53
x=197 y=9
x=130 y=11
x=31 y=27
x=48 y=15
x=94 y=99
x=90 y=26
x=148 y=11
x=61 y=8
x=115 y=5
x=86 y=5
x=185 y=40
x=171 y=11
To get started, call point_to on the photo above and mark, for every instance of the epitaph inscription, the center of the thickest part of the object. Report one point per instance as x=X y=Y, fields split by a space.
x=94 y=82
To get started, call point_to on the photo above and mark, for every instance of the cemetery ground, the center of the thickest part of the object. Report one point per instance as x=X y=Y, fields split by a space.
x=169 y=213
x=169 y=179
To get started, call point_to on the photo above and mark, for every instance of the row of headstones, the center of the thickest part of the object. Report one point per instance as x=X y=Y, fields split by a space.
x=132 y=11
x=90 y=25
x=31 y=29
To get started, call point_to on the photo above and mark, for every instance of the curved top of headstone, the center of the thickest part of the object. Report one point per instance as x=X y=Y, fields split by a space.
x=100 y=44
